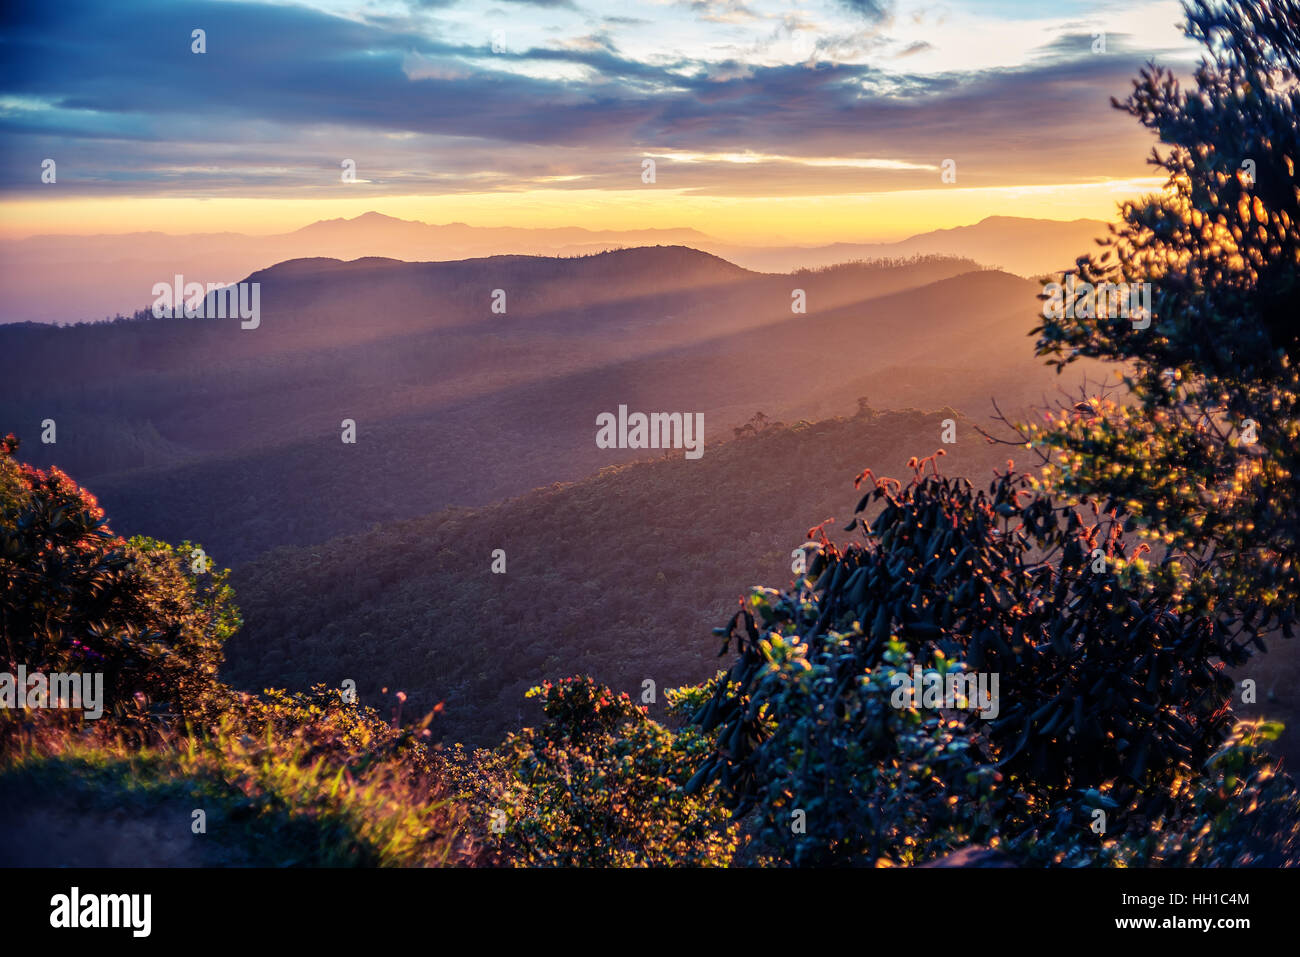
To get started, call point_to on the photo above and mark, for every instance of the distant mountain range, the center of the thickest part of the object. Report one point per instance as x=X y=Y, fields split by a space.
x=1026 y=247
x=60 y=278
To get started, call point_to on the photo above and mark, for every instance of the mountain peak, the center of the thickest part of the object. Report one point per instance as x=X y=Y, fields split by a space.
x=370 y=218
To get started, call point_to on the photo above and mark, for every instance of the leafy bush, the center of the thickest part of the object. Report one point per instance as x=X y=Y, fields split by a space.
x=1110 y=696
x=76 y=597
x=305 y=778
x=600 y=784
x=843 y=777
x=1237 y=811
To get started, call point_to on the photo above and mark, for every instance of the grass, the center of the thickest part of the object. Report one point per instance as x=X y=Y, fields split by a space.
x=277 y=798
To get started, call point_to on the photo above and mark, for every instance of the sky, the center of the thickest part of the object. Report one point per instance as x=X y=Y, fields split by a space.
x=809 y=122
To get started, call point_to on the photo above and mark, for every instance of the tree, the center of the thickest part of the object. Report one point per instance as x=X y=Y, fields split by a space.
x=1205 y=452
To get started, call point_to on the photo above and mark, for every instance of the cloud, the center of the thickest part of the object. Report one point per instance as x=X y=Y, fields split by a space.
x=285 y=93
x=426 y=4
x=597 y=40
x=731 y=70
x=1071 y=45
x=721 y=11
x=874 y=10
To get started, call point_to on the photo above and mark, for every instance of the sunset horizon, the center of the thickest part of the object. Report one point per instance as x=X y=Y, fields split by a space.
x=832 y=121
x=909 y=212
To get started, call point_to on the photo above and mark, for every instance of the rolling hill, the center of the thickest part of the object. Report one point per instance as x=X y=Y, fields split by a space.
x=100 y=275
x=200 y=429
x=1026 y=247
x=619 y=576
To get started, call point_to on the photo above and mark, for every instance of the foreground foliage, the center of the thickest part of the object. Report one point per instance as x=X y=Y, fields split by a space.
x=603 y=787
x=76 y=597
x=1111 y=699
x=294 y=780
x=1202 y=451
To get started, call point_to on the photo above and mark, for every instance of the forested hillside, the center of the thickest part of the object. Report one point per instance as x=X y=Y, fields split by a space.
x=200 y=429
x=620 y=576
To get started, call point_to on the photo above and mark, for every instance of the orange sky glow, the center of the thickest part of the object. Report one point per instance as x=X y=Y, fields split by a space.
x=865 y=217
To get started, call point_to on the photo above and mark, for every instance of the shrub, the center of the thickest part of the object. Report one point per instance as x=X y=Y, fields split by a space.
x=600 y=784
x=76 y=597
x=1110 y=696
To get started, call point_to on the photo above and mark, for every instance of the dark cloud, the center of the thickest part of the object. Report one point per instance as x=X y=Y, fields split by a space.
x=875 y=10
x=1069 y=46
x=284 y=93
